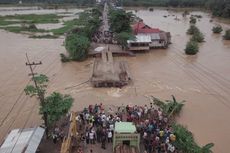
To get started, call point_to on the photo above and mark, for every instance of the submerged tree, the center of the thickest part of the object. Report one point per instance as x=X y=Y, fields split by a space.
x=227 y=35
x=192 y=30
x=192 y=20
x=77 y=46
x=217 y=29
x=198 y=37
x=191 y=48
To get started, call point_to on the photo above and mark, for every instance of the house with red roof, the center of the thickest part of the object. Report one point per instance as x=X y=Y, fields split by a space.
x=159 y=38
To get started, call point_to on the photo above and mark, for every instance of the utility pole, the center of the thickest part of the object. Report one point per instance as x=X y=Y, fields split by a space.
x=41 y=93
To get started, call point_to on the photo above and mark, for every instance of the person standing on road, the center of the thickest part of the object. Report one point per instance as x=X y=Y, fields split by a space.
x=103 y=140
x=91 y=137
x=110 y=135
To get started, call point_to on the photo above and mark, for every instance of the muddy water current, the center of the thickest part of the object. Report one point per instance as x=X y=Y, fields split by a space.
x=202 y=80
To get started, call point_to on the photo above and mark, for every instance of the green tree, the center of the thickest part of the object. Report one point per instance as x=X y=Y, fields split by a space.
x=192 y=20
x=77 y=46
x=217 y=29
x=120 y=21
x=169 y=107
x=227 y=35
x=192 y=30
x=49 y=112
x=207 y=148
x=123 y=37
x=191 y=48
x=198 y=37
x=38 y=90
x=56 y=105
x=186 y=143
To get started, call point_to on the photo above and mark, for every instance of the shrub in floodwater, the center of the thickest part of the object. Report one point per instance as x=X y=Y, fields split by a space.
x=217 y=29
x=198 y=37
x=227 y=35
x=192 y=30
x=191 y=48
x=64 y=58
x=151 y=9
x=192 y=20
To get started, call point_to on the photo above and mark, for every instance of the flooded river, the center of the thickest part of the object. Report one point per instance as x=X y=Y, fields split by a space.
x=202 y=80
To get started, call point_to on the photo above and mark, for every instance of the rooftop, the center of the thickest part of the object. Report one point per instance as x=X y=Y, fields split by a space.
x=22 y=140
x=125 y=127
x=140 y=27
x=141 y=39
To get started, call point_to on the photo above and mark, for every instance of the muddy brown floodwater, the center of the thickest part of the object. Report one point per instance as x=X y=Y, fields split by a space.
x=202 y=80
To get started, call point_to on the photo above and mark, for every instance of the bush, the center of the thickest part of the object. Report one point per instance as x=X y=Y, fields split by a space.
x=227 y=35
x=198 y=37
x=191 y=48
x=77 y=46
x=192 y=30
x=217 y=29
x=192 y=20
x=64 y=58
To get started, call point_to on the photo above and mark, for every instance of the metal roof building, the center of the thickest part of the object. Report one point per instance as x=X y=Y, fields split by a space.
x=140 y=39
x=126 y=133
x=22 y=140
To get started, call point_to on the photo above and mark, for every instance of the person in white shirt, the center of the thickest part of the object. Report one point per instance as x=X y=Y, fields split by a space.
x=110 y=135
x=91 y=137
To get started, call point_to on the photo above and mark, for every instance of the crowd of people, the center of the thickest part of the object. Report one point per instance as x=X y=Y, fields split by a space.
x=156 y=133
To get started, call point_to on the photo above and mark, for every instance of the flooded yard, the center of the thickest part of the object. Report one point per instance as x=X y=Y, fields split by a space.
x=202 y=80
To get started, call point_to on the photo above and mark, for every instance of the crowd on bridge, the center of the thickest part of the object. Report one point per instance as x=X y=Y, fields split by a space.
x=156 y=133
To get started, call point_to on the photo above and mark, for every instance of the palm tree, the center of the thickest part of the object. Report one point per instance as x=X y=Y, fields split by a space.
x=174 y=107
x=207 y=148
x=169 y=107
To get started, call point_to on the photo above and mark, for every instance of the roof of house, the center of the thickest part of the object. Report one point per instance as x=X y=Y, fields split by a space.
x=125 y=127
x=140 y=39
x=155 y=36
x=140 y=27
x=22 y=140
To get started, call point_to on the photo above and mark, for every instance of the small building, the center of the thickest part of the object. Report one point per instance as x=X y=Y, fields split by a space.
x=141 y=42
x=125 y=133
x=159 y=38
x=22 y=140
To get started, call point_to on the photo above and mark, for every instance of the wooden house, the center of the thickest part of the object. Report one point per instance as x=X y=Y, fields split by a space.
x=159 y=38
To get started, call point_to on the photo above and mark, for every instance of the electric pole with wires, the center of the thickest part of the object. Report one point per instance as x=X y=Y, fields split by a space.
x=40 y=92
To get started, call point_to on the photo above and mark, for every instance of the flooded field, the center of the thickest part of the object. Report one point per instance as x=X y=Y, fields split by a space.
x=202 y=80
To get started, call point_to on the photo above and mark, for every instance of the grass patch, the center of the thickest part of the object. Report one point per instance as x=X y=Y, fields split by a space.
x=48 y=36
x=18 y=29
x=30 y=18
x=68 y=25
x=4 y=22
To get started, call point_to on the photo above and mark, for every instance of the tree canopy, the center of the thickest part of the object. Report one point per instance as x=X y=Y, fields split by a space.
x=53 y=106
x=120 y=21
x=77 y=46
x=56 y=105
x=123 y=37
